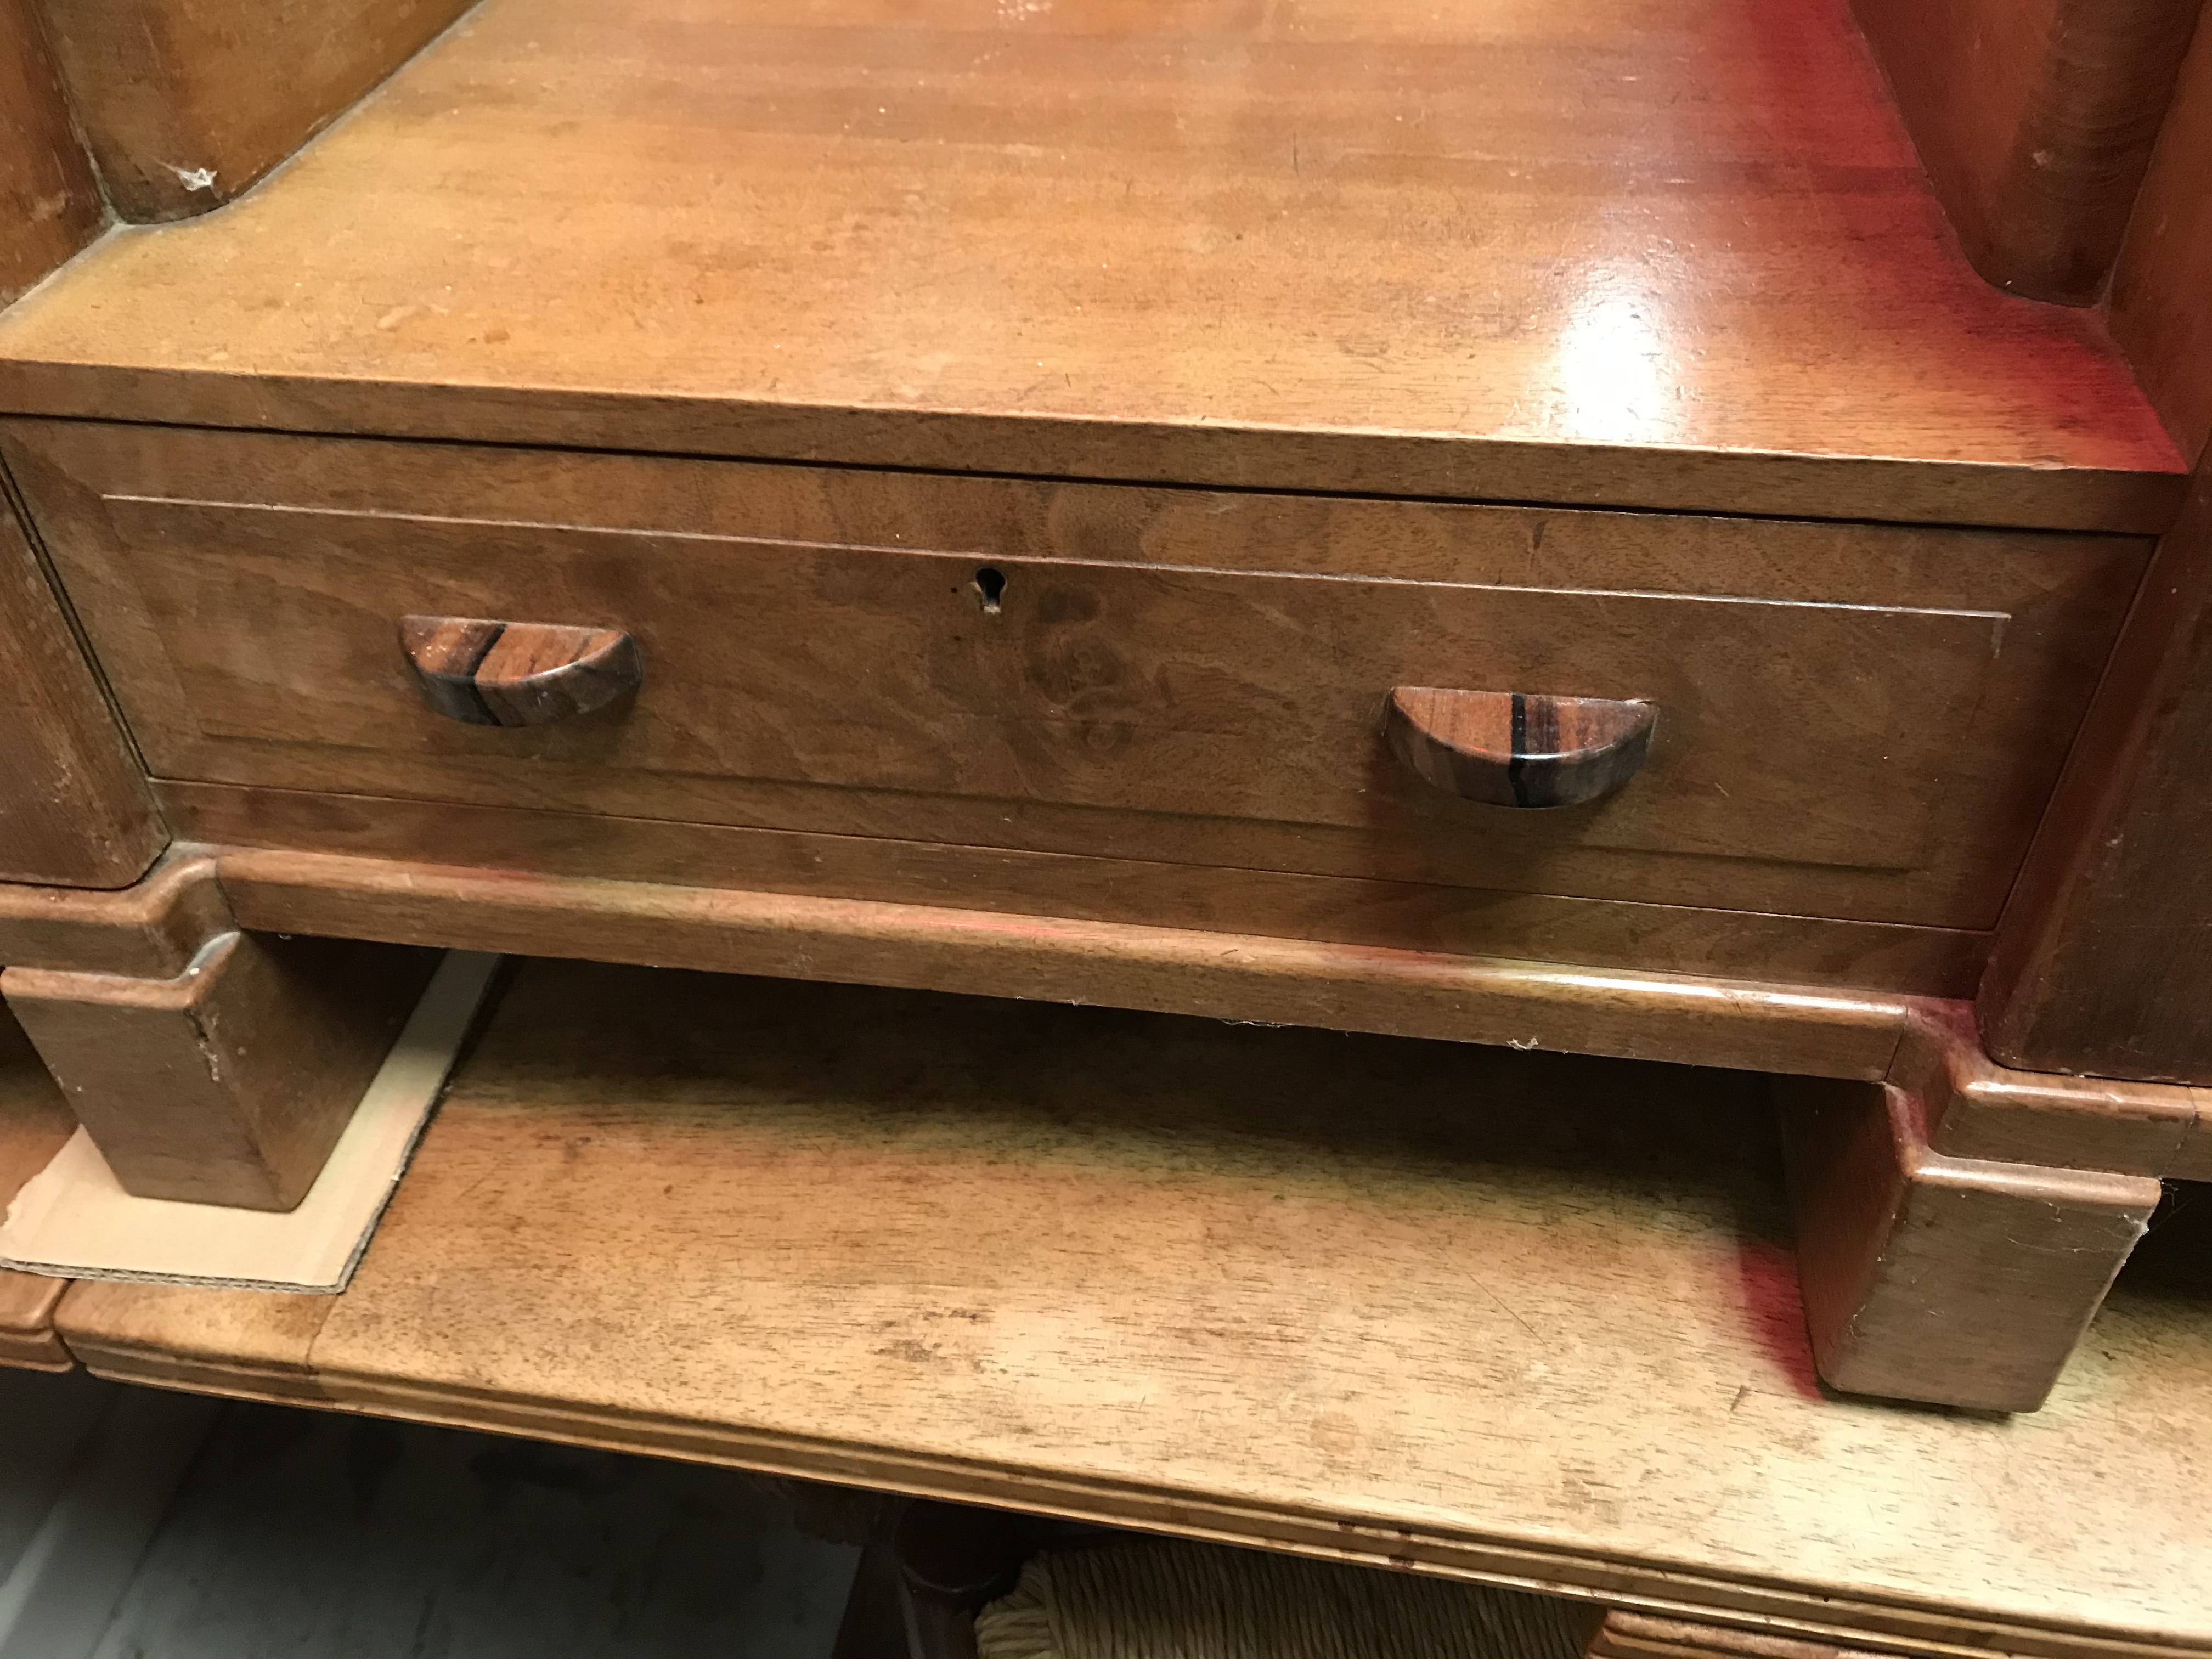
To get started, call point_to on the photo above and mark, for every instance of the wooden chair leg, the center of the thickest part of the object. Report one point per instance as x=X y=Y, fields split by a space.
x=230 y=1083
x=1950 y=1280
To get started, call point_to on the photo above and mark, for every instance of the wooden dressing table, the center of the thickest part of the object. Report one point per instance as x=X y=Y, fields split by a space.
x=1515 y=522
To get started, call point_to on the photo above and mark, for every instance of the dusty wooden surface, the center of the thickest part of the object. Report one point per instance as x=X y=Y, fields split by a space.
x=1528 y=1319
x=1611 y=251
x=34 y=1123
x=2036 y=119
x=1856 y=721
x=185 y=103
x=49 y=202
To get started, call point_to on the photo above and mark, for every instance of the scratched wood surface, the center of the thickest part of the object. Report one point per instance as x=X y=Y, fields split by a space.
x=1593 y=250
x=1508 y=1315
x=1854 y=721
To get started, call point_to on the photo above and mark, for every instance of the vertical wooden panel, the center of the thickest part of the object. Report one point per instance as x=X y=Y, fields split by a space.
x=2035 y=119
x=186 y=103
x=75 y=810
x=50 y=204
x=2103 y=961
x=2161 y=306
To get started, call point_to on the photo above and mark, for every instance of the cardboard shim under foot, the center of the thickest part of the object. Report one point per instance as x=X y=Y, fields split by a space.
x=73 y=1221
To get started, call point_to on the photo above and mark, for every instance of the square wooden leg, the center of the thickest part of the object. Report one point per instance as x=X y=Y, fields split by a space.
x=230 y=1083
x=1955 y=1281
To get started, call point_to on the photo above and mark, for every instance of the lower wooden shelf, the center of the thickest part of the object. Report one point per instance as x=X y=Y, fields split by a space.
x=1526 y=1318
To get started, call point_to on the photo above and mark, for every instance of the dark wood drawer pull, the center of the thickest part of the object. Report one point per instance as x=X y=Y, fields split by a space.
x=508 y=673
x=1512 y=748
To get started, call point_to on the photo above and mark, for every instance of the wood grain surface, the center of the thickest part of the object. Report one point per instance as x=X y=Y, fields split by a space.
x=378 y=842
x=1612 y=252
x=150 y=930
x=1514 y=748
x=49 y=202
x=34 y=1123
x=487 y=672
x=231 y=1083
x=1461 y=1310
x=2104 y=962
x=1522 y=1005
x=74 y=809
x=186 y=103
x=2036 y=119
x=2156 y=305
x=1845 y=747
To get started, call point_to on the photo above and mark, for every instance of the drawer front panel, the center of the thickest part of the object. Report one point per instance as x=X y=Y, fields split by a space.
x=1812 y=755
x=1189 y=691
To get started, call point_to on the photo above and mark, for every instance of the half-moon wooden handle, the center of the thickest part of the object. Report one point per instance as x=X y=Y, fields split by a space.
x=1512 y=748
x=508 y=673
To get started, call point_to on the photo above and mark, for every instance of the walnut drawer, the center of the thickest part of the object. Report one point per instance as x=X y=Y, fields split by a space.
x=1854 y=721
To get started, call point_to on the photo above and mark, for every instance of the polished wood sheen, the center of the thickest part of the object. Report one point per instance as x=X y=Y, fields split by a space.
x=482 y=672
x=186 y=103
x=2156 y=307
x=1498 y=1316
x=49 y=202
x=74 y=806
x=1596 y=252
x=2036 y=119
x=1191 y=675
x=1514 y=748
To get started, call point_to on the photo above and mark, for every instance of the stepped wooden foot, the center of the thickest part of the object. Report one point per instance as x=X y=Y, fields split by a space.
x=230 y=1083
x=1951 y=1280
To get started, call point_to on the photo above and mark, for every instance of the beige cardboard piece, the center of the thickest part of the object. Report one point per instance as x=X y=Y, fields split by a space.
x=72 y=1220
